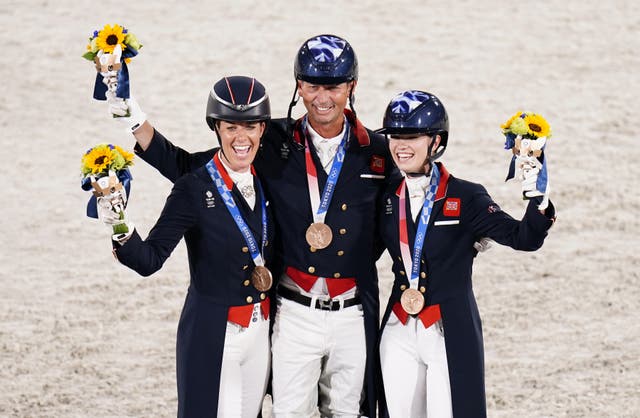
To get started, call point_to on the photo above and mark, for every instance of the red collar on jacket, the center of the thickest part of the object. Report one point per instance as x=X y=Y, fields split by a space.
x=223 y=171
x=442 y=186
x=358 y=129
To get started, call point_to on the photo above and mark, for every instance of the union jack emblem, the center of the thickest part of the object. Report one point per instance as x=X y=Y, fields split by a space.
x=407 y=101
x=451 y=207
x=326 y=48
x=377 y=164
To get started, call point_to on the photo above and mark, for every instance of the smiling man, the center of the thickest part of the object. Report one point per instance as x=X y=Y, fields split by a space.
x=325 y=105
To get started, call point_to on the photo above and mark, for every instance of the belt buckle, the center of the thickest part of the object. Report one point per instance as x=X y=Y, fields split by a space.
x=325 y=304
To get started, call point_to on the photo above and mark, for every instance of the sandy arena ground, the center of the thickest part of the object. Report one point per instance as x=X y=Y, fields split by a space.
x=82 y=336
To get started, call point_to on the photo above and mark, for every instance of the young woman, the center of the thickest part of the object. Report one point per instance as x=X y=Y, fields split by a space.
x=223 y=352
x=431 y=346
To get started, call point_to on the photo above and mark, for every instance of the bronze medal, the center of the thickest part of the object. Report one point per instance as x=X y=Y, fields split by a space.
x=319 y=235
x=412 y=301
x=261 y=278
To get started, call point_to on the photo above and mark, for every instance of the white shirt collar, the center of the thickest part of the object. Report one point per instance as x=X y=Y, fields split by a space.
x=415 y=183
x=244 y=183
x=318 y=139
x=325 y=147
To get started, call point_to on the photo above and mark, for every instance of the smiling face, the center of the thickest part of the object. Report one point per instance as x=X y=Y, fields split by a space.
x=240 y=142
x=410 y=151
x=325 y=105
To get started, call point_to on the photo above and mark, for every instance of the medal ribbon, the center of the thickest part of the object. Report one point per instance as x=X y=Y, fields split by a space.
x=421 y=229
x=320 y=207
x=221 y=178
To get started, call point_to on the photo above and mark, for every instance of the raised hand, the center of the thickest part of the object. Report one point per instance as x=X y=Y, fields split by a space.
x=111 y=200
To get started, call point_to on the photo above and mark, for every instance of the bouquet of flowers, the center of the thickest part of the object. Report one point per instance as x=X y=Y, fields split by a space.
x=105 y=170
x=111 y=49
x=526 y=135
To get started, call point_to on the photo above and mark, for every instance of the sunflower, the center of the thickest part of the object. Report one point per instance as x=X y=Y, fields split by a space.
x=97 y=160
x=109 y=37
x=537 y=126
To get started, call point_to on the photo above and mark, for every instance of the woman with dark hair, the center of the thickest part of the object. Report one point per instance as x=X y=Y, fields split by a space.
x=223 y=350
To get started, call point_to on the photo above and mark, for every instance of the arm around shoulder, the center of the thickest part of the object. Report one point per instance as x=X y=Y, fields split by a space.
x=170 y=160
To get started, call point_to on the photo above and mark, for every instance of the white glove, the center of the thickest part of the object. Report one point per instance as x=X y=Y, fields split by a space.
x=114 y=215
x=107 y=213
x=483 y=244
x=126 y=111
x=111 y=207
x=530 y=169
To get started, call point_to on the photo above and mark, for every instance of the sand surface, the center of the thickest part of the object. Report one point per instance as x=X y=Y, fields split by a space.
x=82 y=336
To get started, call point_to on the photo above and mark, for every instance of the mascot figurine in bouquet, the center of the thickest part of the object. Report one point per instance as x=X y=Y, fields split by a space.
x=111 y=49
x=526 y=135
x=105 y=171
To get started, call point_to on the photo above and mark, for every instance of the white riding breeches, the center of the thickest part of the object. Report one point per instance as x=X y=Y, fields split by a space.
x=317 y=353
x=415 y=370
x=245 y=368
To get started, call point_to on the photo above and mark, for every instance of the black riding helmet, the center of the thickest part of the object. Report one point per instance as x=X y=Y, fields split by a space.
x=238 y=99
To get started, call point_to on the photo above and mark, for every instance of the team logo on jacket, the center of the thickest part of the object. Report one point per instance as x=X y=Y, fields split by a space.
x=377 y=164
x=209 y=200
x=284 y=151
x=451 y=207
x=388 y=209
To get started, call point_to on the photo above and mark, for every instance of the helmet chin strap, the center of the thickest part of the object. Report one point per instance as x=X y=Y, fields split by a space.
x=427 y=163
x=351 y=101
x=427 y=170
x=220 y=141
x=438 y=152
x=292 y=104
x=415 y=175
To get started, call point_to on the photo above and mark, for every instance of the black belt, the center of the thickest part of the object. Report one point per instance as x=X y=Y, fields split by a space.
x=322 y=304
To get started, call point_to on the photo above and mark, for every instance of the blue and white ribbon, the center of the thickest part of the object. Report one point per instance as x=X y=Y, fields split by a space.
x=255 y=250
